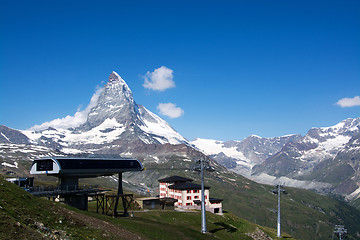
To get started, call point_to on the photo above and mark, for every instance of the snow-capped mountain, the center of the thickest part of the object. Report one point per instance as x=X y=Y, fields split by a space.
x=114 y=124
x=114 y=120
x=324 y=155
x=346 y=166
x=326 y=158
x=241 y=156
x=299 y=158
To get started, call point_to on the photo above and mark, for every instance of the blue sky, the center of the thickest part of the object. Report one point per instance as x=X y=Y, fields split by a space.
x=268 y=68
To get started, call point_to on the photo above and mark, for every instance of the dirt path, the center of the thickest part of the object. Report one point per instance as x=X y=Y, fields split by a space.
x=109 y=228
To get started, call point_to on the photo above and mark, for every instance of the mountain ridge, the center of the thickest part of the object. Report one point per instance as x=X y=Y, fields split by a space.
x=115 y=123
x=303 y=161
x=114 y=116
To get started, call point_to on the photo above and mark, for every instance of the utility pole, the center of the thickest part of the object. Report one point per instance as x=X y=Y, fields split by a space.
x=204 y=166
x=278 y=190
x=203 y=209
x=340 y=230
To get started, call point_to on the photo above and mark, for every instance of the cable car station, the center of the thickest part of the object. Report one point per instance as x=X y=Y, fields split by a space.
x=70 y=169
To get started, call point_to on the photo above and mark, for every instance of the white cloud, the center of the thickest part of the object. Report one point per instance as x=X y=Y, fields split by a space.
x=349 y=102
x=71 y=121
x=160 y=79
x=170 y=110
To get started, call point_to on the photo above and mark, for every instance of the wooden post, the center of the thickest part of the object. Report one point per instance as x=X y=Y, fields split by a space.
x=120 y=191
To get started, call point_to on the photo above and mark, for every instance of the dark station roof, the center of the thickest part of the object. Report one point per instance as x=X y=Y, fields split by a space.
x=84 y=166
x=168 y=200
x=186 y=186
x=175 y=179
x=212 y=200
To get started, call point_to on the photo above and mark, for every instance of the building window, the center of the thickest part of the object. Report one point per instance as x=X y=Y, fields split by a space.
x=188 y=204
x=196 y=197
x=188 y=198
x=195 y=191
x=188 y=191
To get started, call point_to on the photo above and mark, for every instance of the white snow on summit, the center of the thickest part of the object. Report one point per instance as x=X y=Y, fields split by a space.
x=161 y=128
x=329 y=140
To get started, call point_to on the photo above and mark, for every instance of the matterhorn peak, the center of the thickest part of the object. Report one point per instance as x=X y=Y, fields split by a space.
x=117 y=85
x=114 y=77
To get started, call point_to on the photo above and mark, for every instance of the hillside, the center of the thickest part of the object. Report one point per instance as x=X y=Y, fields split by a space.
x=23 y=216
x=305 y=214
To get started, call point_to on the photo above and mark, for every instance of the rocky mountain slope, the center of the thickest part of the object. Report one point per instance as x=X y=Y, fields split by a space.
x=316 y=146
x=8 y=135
x=241 y=156
x=326 y=154
x=114 y=124
x=343 y=170
x=326 y=158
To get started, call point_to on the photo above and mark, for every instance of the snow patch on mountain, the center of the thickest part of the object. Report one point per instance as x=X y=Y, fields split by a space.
x=7 y=139
x=325 y=149
x=211 y=147
x=328 y=140
x=354 y=195
x=5 y=164
x=157 y=126
x=106 y=132
x=335 y=143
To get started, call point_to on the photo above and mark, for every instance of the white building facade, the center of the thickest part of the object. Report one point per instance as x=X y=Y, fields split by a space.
x=188 y=194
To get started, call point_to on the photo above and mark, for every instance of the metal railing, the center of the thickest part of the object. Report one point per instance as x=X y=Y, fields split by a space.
x=62 y=190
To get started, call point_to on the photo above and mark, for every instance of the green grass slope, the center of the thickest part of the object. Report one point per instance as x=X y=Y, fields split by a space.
x=23 y=216
x=304 y=214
